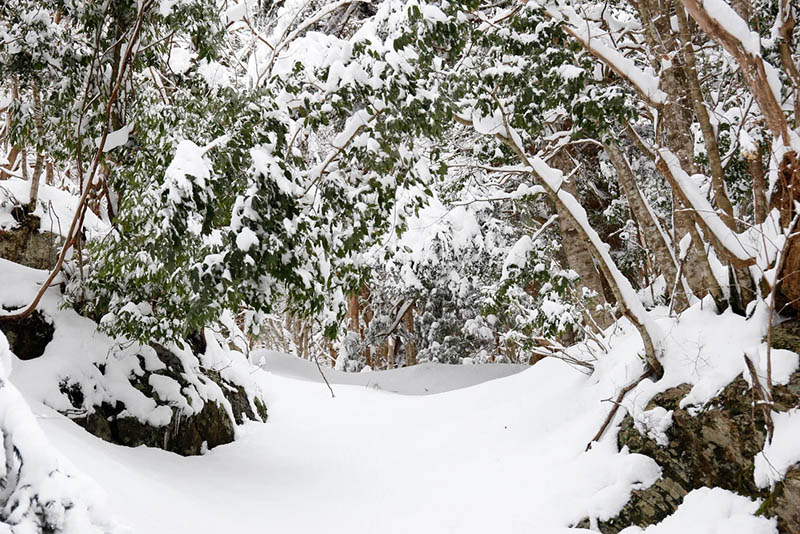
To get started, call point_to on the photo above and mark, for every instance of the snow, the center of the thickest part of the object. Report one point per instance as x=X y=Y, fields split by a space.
x=189 y=160
x=246 y=239
x=116 y=138
x=423 y=379
x=443 y=437
x=55 y=208
x=735 y=244
x=474 y=448
x=235 y=12
x=518 y=255
x=593 y=37
x=712 y=511
x=553 y=178
x=782 y=452
x=724 y=14
x=180 y=59
x=78 y=350
x=39 y=486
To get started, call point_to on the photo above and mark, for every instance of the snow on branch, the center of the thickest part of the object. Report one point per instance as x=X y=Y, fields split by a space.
x=730 y=244
x=592 y=37
x=730 y=31
x=627 y=298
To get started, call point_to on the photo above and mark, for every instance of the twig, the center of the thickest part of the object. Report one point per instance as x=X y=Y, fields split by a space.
x=764 y=396
x=323 y=376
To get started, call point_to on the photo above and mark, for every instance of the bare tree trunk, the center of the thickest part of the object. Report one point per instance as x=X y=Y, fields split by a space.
x=49 y=176
x=675 y=130
x=38 y=167
x=752 y=68
x=368 y=314
x=578 y=255
x=353 y=312
x=13 y=154
x=758 y=174
x=654 y=235
x=24 y=163
x=709 y=138
x=410 y=344
x=627 y=300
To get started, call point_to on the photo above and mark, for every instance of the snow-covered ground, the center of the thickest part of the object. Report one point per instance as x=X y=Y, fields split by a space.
x=422 y=379
x=506 y=455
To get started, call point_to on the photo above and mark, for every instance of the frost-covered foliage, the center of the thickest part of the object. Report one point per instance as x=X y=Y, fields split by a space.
x=230 y=189
x=482 y=289
x=257 y=154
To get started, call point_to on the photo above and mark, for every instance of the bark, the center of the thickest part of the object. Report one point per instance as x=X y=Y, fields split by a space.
x=38 y=167
x=391 y=350
x=628 y=302
x=368 y=314
x=789 y=268
x=353 y=313
x=758 y=174
x=786 y=31
x=675 y=133
x=13 y=154
x=410 y=344
x=23 y=163
x=49 y=173
x=574 y=214
x=742 y=8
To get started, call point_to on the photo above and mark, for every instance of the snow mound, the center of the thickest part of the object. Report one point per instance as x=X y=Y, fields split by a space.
x=782 y=452
x=40 y=491
x=55 y=207
x=712 y=511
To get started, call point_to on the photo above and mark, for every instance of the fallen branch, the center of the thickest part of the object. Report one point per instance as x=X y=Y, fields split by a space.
x=617 y=403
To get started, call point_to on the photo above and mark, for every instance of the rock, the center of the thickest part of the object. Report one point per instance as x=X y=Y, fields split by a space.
x=713 y=448
x=26 y=245
x=186 y=435
x=28 y=337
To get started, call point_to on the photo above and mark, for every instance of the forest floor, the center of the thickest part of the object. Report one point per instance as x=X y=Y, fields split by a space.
x=504 y=456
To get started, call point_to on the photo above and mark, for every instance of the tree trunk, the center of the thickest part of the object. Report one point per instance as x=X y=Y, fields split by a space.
x=49 y=177
x=410 y=344
x=578 y=255
x=38 y=167
x=627 y=299
x=675 y=133
x=654 y=235
x=709 y=138
x=13 y=154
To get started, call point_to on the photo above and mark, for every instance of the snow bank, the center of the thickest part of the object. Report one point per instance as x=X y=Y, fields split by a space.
x=422 y=379
x=504 y=455
x=79 y=356
x=782 y=452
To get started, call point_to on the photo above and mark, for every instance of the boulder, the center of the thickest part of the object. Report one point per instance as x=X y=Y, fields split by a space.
x=203 y=427
x=712 y=446
x=27 y=245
